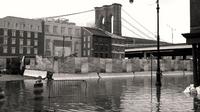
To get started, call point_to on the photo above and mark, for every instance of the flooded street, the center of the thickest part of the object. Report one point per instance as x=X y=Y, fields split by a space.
x=135 y=94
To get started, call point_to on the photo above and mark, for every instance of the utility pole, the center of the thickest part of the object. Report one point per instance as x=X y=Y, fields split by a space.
x=172 y=31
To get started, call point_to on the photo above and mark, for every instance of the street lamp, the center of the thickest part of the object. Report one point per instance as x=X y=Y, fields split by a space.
x=131 y=1
x=158 y=73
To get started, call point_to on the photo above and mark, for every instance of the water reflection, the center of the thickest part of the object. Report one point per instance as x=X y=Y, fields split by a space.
x=158 y=95
x=38 y=98
x=117 y=95
x=2 y=97
x=196 y=104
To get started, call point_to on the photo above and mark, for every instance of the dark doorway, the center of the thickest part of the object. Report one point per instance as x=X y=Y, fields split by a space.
x=13 y=66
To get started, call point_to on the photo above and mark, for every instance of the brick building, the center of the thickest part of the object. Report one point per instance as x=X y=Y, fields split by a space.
x=20 y=37
x=95 y=43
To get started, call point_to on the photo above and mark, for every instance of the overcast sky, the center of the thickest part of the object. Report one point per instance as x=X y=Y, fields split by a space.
x=174 y=14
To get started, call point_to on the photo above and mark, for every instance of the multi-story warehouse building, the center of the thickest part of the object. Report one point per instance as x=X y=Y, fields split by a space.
x=62 y=38
x=118 y=45
x=95 y=43
x=100 y=43
x=20 y=37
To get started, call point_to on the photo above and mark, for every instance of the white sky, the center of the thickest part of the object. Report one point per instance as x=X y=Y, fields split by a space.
x=173 y=13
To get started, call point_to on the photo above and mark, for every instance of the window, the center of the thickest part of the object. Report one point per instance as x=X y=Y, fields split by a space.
x=36 y=35
x=31 y=27
x=5 y=40
x=8 y=24
x=5 y=32
x=62 y=30
x=84 y=54
x=28 y=34
x=84 y=45
x=47 y=28
x=24 y=26
x=38 y=28
x=70 y=31
x=84 y=39
x=88 y=52
x=28 y=49
x=88 y=45
x=21 y=34
x=13 y=49
x=35 y=51
x=5 y=49
x=55 y=28
x=13 y=41
x=28 y=42
x=13 y=33
x=16 y=25
x=77 y=32
x=88 y=38
x=4 y=24
x=21 y=42
x=48 y=44
x=35 y=42
x=21 y=50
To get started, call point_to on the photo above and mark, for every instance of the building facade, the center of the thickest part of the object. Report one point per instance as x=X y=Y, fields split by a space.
x=19 y=37
x=95 y=43
x=62 y=38
x=117 y=45
x=193 y=38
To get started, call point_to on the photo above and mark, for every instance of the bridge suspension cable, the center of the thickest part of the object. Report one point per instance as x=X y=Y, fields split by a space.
x=138 y=29
x=132 y=31
x=64 y=15
x=138 y=23
x=142 y=26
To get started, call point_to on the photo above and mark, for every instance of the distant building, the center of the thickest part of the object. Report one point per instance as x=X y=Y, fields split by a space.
x=21 y=37
x=62 y=38
x=95 y=43
x=100 y=43
x=193 y=39
x=131 y=42
x=118 y=45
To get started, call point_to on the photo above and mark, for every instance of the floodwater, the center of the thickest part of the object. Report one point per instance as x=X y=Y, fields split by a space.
x=135 y=94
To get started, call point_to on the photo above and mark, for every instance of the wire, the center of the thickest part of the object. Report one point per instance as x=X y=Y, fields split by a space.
x=132 y=31
x=69 y=14
x=138 y=22
x=138 y=29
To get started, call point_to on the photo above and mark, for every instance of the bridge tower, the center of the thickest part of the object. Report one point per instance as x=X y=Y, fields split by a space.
x=108 y=17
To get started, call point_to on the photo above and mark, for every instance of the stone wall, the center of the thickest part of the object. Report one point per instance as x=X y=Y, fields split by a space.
x=90 y=64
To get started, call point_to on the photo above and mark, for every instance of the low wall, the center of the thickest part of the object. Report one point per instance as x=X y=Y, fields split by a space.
x=90 y=64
